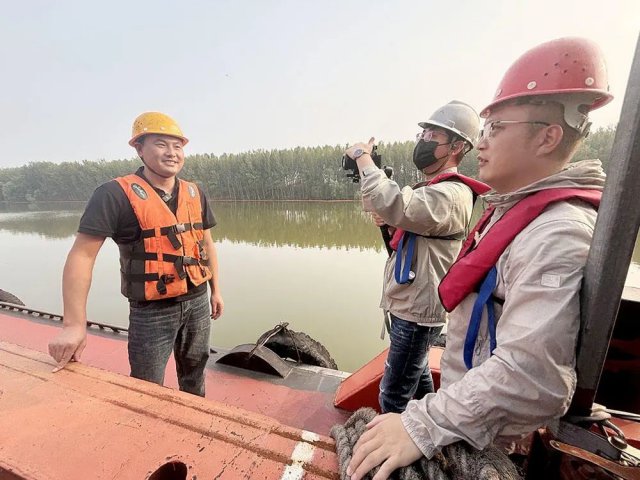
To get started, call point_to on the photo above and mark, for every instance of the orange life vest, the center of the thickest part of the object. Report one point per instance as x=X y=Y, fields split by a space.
x=171 y=247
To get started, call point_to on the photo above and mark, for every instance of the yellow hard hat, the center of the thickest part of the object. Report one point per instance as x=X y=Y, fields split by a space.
x=155 y=122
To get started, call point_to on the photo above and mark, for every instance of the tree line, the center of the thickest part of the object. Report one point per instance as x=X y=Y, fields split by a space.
x=301 y=173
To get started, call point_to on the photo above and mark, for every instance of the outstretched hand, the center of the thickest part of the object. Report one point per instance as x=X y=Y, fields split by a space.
x=385 y=443
x=68 y=345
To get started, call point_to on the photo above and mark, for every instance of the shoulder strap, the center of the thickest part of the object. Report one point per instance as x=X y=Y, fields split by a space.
x=475 y=261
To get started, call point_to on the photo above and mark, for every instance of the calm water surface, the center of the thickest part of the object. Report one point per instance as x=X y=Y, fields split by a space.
x=317 y=266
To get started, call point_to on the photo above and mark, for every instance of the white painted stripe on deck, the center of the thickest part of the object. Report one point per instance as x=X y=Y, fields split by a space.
x=293 y=472
x=302 y=453
x=310 y=436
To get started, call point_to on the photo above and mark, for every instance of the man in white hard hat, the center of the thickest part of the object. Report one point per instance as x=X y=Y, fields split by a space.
x=509 y=366
x=428 y=224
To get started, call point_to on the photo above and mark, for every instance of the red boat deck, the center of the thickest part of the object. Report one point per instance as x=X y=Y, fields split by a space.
x=91 y=423
x=303 y=400
x=85 y=423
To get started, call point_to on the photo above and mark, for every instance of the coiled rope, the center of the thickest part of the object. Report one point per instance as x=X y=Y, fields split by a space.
x=458 y=461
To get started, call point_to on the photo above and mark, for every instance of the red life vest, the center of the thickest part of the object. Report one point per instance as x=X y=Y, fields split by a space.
x=171 y=247
x=477 y=187
x=473 y=264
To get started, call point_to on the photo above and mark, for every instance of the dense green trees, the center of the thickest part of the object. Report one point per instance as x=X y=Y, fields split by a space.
x=302 y=173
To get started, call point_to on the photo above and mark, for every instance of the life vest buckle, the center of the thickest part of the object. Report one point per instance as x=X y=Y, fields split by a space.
x=179 y=228
x=190 y=260
x=173 y=238
x=180 y=262
x=167 y=278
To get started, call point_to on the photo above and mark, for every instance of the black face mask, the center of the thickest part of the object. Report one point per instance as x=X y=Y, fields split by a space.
x=423 y=153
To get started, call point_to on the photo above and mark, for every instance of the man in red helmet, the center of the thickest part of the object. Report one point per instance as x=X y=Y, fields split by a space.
x=509 y=366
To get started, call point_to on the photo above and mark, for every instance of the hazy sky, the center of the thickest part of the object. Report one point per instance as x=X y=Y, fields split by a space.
x=241 y=75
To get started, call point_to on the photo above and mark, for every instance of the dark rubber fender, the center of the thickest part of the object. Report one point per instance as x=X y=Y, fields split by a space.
x=9 y=297
x=297 y=346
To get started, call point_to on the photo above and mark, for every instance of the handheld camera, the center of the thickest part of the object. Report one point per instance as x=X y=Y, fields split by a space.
x=350 y=164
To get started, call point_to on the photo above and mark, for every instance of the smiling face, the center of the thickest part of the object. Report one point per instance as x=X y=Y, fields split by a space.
x=162 y=155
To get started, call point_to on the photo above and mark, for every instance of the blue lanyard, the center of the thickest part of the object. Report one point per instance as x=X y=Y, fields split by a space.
x=484 y=298
x=402 y=274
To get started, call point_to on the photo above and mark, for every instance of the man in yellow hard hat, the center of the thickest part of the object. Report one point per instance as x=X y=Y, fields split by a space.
x=167 y=256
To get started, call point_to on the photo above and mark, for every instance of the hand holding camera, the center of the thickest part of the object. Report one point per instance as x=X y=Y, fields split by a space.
x=358 y=150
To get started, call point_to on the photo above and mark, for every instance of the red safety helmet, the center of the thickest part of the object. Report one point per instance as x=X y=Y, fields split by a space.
x=571 y=69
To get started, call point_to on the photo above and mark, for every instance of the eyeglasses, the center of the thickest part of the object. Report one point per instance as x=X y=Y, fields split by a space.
x=427 y=134
x=489 y=129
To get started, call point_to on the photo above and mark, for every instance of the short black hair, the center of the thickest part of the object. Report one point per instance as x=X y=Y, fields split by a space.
x=140 y=139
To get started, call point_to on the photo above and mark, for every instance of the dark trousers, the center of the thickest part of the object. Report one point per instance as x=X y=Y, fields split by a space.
x=157 y=328
x=406 y=371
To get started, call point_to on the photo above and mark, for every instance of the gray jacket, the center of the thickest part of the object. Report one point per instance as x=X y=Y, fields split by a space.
x=530 y=379
x=440 y=210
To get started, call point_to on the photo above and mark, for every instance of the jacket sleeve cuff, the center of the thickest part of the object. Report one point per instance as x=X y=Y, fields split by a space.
x=419 y=434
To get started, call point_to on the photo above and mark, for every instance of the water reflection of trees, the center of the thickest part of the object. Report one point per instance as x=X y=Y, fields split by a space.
x=55 y=220
x=298 y=224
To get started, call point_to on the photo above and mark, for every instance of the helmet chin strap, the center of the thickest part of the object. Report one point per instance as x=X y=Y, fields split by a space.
x=575 y=106
x=576 y=110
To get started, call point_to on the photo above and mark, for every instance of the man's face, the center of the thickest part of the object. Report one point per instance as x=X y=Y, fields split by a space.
x=507 y=152
x=439 y=135
x=162 y=154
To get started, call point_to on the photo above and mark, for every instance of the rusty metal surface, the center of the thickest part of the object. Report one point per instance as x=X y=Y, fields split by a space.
x=302 y=400
x=83 y=423
x=624 y=471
